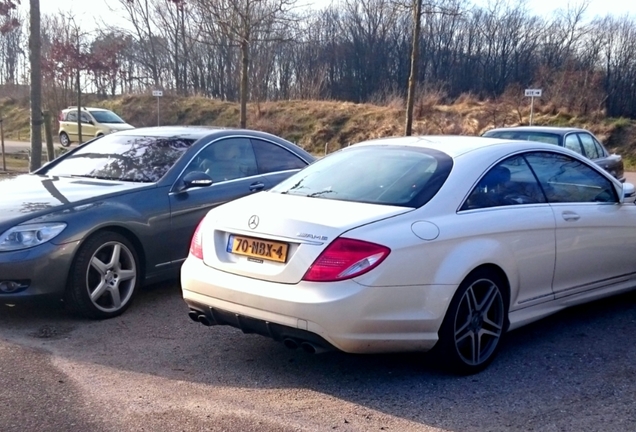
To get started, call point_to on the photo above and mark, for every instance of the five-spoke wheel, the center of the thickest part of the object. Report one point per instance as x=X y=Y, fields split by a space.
x=104 y=276
x=475 y=323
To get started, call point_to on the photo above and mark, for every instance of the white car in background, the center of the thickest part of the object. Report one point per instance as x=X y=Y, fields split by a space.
x=414 y=244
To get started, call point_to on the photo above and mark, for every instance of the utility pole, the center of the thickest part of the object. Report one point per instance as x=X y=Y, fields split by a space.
x=35 y=47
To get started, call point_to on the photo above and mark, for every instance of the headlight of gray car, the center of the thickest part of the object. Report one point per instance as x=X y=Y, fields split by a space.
x=26 y=236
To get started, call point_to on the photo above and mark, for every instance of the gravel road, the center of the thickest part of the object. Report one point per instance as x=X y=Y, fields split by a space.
x=154 y=370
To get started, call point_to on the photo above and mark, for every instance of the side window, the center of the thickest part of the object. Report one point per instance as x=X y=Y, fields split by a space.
x=71 y=116
x=272 y=157
x=567 y=180
x=572 y=143
x=504 y=135
x=510 y=182
x=599 y=148
x=85 y=118
x=589 y=146
x=226 y=159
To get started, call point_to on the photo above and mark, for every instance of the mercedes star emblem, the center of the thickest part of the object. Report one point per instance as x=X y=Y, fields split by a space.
x=253 y=222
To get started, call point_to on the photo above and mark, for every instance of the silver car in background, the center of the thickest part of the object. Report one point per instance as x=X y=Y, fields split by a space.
x=578 y=140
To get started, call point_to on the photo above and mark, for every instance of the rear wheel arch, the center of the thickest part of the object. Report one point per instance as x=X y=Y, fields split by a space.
x=501 y=274
x=495 y=269
x=492 y=255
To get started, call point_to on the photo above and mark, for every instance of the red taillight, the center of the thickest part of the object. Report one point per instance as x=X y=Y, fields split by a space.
x=61 y=116
x=196 y=246
x=346 y=258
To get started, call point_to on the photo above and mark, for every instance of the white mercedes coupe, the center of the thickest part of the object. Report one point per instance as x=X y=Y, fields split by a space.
x=415 y=244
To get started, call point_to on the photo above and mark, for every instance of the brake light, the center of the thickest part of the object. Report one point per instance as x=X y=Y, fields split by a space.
x=196 y=246
x=61 y=116
x=345 y=259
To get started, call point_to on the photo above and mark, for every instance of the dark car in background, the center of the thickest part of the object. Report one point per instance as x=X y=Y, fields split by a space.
x=119 y=211
x=581 y=141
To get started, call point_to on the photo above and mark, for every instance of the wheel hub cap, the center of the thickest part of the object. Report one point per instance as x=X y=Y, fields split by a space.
x=111 y=277
x=477 y=322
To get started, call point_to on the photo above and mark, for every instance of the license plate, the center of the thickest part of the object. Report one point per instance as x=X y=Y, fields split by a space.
x=258 y=248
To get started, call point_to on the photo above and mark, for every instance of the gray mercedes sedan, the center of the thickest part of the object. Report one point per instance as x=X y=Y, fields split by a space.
x=119 y=211
x=581 y=141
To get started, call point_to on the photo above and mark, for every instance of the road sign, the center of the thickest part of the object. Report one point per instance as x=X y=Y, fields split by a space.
x=533 y=92
x=158 y=94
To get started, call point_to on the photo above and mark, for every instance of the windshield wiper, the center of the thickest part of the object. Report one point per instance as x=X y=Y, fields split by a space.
x=320 y=193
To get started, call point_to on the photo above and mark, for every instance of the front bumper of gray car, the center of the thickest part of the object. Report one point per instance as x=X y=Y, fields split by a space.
x=37 y=272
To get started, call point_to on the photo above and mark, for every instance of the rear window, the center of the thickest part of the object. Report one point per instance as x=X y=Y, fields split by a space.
x=389 y=175
x=123 y=158
x=544 y=137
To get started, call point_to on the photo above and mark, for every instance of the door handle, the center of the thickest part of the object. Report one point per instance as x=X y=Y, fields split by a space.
x=258 y=186
x=570 y=216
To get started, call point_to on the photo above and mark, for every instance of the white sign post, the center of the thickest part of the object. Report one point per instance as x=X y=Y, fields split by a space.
x=532 y=93
x=158 y=94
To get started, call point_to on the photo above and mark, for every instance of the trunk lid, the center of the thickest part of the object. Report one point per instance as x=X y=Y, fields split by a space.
x=284 y=234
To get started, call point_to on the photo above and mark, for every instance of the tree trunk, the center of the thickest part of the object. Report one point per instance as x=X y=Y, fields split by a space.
x=245 y=52
x=415 y=56
x=35 y=45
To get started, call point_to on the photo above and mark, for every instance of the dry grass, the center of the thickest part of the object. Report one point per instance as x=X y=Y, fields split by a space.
x=317 y=125
x=14 y=165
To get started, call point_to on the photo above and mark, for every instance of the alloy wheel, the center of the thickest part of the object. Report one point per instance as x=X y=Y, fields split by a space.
x=479 y=322
x=111 y=276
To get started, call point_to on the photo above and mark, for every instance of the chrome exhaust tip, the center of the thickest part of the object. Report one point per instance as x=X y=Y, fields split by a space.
x=194 y=315
x=205 y=320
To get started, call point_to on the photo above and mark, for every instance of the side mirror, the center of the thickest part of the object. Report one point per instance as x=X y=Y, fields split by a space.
x=629 y=193
x=195 y=179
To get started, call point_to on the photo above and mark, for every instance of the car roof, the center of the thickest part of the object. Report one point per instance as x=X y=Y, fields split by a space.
x=560 y=130
x=192 y=132
x=74 y=108
x=454 y=145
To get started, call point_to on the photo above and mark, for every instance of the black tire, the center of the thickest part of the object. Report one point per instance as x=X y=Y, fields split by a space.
x=104 y=276
x=65 y=141
x=474 y=325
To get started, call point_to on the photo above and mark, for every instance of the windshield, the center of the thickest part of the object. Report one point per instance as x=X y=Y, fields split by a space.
x=391 y=175
x=106 y=117
x=123 y=158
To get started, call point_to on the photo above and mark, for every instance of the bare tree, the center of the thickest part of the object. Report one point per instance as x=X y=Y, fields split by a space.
x=11 y=46
x=410 y=98
x=419 y=8
x=139 y=13
x=245 y=22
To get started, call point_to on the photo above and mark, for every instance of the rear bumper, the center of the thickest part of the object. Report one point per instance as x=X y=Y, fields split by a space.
x=249 y=325
x=345 y=315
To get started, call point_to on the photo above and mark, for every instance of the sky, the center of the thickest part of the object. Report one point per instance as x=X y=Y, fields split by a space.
x=91 y=11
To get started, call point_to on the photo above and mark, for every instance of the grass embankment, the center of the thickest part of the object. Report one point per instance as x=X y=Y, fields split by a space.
x=329 y=125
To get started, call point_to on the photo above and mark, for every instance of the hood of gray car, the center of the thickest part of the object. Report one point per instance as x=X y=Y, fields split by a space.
x=29 y=196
